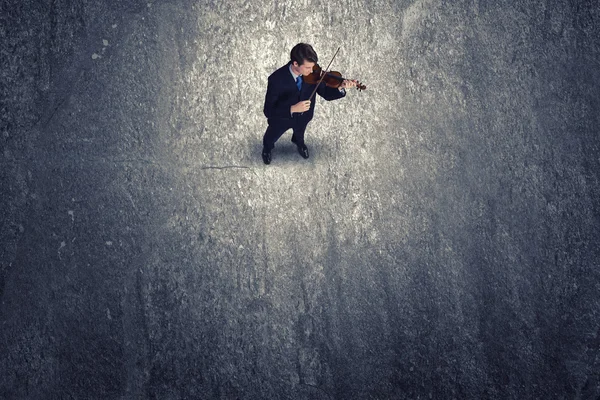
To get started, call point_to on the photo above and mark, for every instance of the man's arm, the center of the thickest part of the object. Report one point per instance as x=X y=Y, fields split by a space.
x=329 y=93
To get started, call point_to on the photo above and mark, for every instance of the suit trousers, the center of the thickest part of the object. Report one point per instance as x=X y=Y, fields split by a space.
x=275 y=130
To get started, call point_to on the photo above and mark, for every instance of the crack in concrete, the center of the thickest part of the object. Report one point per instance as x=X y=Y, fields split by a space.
x=132 y=161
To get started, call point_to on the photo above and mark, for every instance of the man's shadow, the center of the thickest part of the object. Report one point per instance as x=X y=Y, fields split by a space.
x=285 y=153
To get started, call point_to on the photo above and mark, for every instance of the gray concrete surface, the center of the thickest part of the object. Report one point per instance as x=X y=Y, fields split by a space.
x=440 y=242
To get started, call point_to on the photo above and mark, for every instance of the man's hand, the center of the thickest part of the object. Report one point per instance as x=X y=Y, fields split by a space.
x=301 y=106
x=346 y=84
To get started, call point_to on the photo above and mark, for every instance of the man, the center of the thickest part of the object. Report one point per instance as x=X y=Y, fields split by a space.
x=287 y=103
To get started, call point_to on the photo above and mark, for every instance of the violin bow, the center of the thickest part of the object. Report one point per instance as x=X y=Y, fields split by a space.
x=325 y=73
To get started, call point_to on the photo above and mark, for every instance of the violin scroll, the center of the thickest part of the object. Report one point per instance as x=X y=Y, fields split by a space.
x=360 y=86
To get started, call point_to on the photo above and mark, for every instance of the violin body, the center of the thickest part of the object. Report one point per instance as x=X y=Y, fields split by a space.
x=332 y=79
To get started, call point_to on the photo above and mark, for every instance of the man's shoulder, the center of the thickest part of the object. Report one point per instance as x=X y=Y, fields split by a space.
x=280 y=72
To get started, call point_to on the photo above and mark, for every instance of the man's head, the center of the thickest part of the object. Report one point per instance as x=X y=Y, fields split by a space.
x=303 y=58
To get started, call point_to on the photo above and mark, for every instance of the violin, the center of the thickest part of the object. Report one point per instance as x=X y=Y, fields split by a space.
x=332 y=79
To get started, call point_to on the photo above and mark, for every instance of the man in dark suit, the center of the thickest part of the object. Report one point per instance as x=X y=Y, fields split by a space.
x=287 y=103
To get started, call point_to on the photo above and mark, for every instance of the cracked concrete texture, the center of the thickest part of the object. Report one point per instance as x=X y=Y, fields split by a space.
x=440 y=242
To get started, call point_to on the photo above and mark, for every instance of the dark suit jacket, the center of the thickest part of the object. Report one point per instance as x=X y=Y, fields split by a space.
x=282 y=93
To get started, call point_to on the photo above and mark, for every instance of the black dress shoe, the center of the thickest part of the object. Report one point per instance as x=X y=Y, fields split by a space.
x=303 y=150
x=266 y=155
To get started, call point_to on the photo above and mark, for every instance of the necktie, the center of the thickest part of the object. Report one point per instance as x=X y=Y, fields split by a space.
x=299 y=82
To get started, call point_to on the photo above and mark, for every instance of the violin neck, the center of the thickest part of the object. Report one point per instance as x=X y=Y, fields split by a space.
x=335 y=76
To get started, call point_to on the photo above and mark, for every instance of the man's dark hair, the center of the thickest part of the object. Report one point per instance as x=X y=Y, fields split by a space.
x=302 y=52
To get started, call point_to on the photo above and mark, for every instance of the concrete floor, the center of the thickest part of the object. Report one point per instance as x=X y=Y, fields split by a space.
x=442 y=240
